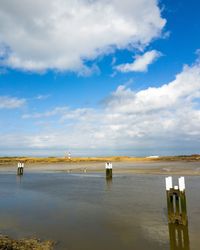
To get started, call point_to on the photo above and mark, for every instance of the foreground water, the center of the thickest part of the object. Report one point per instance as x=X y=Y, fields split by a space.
x=84 y=211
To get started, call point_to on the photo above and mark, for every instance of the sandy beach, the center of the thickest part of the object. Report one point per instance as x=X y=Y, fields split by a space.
x=140 y=167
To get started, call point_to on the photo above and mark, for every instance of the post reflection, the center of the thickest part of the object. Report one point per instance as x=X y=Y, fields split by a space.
x=19 y=179
x=109 y=183
x=179 y=237
x=177 y=215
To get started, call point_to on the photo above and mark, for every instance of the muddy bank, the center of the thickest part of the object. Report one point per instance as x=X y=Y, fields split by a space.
x=6 y=243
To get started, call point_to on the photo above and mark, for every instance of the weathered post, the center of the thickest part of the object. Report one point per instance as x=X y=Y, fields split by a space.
x=183 y=200
x=177 y=214
x=20 y=168
x=176 y=201
x=108 y=167
x=168 y=181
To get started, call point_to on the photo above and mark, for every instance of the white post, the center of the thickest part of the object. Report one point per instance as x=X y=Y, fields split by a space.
x=168 y=181
x=108 y=165
x=181 y=182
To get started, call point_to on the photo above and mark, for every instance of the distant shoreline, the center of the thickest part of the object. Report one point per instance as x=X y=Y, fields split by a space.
x=49 y=160
x=173 y=165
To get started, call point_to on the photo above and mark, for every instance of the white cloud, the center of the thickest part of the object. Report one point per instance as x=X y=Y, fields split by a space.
x=165 y=117
x=182 y=90
x=11 y=102
x=156 y=117
x=40 y=35
x=141 y=62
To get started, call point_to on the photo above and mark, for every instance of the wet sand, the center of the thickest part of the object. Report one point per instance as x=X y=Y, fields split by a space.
x=155 y=168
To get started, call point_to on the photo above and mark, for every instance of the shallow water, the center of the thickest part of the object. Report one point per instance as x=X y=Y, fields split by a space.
x=84 y=211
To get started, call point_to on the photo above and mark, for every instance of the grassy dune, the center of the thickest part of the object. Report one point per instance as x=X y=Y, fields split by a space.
x=11 y=160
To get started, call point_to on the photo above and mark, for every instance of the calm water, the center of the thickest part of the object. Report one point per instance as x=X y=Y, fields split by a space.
x=83 y=211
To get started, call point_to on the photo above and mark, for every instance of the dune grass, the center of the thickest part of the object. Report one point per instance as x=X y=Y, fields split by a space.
x=49 y=160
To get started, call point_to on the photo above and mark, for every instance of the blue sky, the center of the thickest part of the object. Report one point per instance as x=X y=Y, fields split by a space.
x=99 y=77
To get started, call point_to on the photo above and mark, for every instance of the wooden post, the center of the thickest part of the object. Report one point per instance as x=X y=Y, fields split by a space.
x=170 y=201
x=20 y=168
x=176 y=201
x=177 y=215
x=183 y=208
x=108 y=167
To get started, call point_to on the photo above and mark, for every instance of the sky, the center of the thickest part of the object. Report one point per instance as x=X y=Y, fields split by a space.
x=99 y=77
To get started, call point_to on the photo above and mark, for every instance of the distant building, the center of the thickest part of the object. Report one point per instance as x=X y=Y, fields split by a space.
x=153 y=156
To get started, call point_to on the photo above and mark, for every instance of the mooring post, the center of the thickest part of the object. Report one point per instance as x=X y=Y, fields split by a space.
x=177 y=214
x=183 y=199
x=176 y=201
x=168 y=181
x=108 y=167
x=20 y=168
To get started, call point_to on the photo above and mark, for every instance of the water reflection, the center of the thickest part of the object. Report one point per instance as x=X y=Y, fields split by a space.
x=179 y=237
x=19 y=179
x=109 y=183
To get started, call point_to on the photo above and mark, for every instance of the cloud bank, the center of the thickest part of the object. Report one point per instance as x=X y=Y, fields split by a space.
x=154 y=118
x=62 y=36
